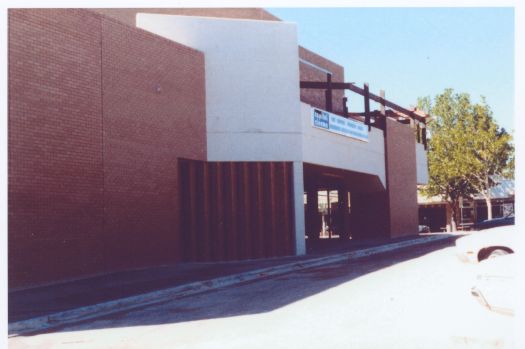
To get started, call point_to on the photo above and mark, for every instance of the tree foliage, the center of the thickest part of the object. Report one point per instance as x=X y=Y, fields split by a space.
x=468 y=152
x=492 y=153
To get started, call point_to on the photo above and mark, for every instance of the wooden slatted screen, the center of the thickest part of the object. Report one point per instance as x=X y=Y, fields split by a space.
x=236 y=210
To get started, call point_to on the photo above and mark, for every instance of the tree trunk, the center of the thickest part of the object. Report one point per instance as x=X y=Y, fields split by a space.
x=488 y=198
x=454 y=219
x=489 y=207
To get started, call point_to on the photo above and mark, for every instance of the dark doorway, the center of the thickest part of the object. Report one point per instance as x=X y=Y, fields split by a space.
x=434 y=216
x=333 y=210
x=342 y=205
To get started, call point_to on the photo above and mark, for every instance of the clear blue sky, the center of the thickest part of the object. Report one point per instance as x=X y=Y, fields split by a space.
x=412 y=52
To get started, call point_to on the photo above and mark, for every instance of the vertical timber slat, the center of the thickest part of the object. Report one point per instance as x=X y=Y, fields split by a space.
x=280 y=208
x=260 y=211
x=273 y=212
x=247 y=203
x=184 y=207
x=214 y=222
x=206 y=236
x=236 y=210
x=221 y=236
x=193 y=212
x=234 y=241
x=226 y=201
x=239 y=210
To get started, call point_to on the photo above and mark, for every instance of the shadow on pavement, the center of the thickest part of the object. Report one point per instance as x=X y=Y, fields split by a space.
x=256 y=297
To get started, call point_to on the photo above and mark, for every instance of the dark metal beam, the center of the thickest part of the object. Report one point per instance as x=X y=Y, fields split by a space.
x=358 y=90
x=367 y=106
x=328 y=92
x=374 y=114
x=322 y=85
x=382 y=103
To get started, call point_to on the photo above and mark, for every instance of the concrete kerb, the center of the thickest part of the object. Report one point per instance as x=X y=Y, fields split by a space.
x=69 y=317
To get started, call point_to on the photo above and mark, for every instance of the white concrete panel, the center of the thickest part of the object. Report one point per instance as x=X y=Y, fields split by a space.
x=298 y=203
x=252 y=83
x=421 y=164
x=329 y=149
x=255 y=146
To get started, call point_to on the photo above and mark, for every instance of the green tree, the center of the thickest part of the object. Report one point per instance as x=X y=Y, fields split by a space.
x=491 y=153
x=467 y=150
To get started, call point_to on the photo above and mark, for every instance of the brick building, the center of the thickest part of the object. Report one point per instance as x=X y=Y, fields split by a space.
x=142 y=137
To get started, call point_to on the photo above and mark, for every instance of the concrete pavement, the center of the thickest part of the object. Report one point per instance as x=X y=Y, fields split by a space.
x=413 y=298
x=60 y=305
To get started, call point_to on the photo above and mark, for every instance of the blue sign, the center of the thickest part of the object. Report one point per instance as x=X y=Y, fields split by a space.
x=340 y=125
x=321 y=119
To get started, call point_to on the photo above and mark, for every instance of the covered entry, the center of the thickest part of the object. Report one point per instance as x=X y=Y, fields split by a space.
x=341 y=205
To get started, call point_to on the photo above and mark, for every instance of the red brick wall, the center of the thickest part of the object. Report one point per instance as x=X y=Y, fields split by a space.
x=145 y=131
x=401 y=178
x=309 y=73
x=93 y=146
x=55 y=143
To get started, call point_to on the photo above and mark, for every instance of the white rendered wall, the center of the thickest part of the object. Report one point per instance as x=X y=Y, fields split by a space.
x=252 y=83
x=298 y=193
x=421 y=164
x=333 y=150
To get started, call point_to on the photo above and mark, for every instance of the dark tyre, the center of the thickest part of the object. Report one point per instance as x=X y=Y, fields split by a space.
x=497 y=253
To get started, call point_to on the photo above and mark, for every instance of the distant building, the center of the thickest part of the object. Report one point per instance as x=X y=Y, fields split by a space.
x=435 y=213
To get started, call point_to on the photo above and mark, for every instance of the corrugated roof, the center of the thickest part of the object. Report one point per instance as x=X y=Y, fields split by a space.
x=504 y=190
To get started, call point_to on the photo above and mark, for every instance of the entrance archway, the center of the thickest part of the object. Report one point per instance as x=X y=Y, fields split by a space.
x=341 y=206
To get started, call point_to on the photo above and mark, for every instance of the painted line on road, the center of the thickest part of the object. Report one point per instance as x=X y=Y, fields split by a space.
x=69 y=317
